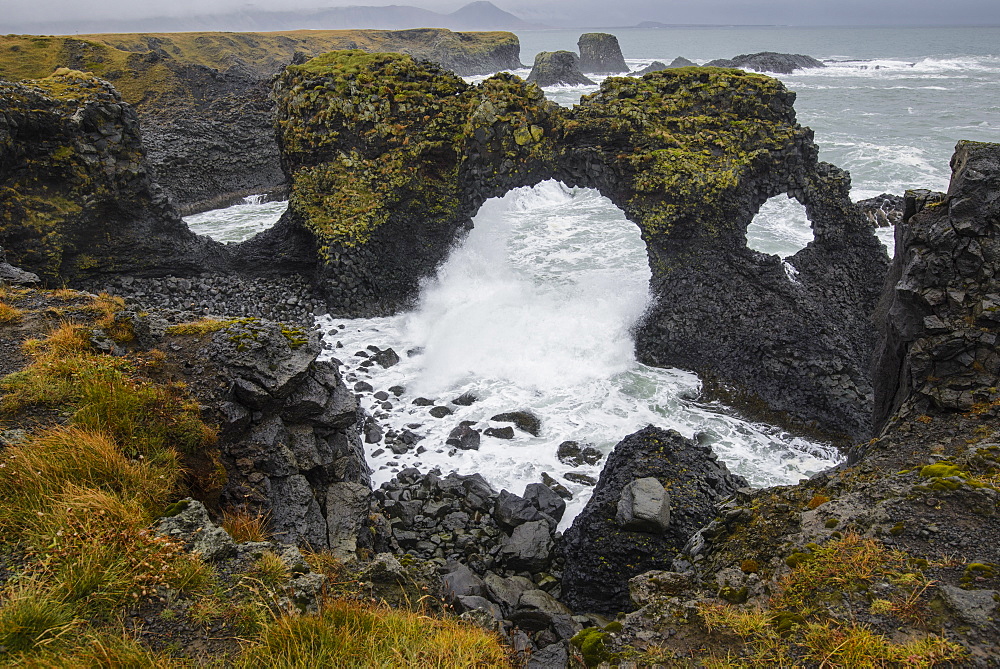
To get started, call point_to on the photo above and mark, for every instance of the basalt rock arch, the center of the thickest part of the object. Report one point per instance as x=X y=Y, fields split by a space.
x=390 y=158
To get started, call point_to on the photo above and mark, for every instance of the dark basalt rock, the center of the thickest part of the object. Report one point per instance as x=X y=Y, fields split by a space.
x=600 y=54
x=15 y=275
x=883 y=211
x=524 y=420
x=768 y=61
x=596 y=573
x=552 y=68
x=656 y=66
x=939 y=318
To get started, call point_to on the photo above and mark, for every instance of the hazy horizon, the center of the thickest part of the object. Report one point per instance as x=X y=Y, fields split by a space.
x=555 y=13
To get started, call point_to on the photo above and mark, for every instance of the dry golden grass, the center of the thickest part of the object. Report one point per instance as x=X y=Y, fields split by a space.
x=348 y=635
x=242 y=524
x=9 y=314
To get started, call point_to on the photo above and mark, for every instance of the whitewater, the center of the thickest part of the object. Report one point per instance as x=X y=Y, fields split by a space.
x=533 y=310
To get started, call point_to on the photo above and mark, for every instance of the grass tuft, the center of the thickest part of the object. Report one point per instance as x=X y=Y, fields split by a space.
x=9 y=314
x=242 y=524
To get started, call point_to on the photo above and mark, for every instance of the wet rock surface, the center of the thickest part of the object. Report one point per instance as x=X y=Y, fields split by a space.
x=601 y=553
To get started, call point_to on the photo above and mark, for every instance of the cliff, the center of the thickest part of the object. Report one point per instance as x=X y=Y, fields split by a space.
x=202 y=97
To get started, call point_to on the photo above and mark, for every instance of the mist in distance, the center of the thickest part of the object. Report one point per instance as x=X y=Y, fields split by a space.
x=72 y=16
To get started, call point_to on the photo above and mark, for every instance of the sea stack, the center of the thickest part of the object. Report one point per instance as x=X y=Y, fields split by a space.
x=557 y=67
x=600 y=54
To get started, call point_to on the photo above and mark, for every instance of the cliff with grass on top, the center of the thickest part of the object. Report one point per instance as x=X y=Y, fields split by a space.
x=202 y=98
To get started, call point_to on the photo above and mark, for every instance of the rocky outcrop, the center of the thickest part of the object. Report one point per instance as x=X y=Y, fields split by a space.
x=689 y=155
x=768 y=61
x=76 y=196
x=14 y=275
x=940 y=316
x=553 y=68
x=203 y=97
x=629 y=527
x=883 y=211
x=288 y=429
x=656 y=66
x=600 y=54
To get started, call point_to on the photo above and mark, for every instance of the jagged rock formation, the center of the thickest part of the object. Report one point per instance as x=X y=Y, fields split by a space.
x=600 y=54
x=383 y=182
x=941 y=313
x=926 y=486
x=76 y=196
x=288 y=430
x=552 y=68
x=768 y=61
x=883 y=211
x=203 y=98
x=688 y=154
x=602 y=551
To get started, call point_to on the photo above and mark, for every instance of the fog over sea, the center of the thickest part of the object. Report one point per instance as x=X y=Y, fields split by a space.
x=533 y=309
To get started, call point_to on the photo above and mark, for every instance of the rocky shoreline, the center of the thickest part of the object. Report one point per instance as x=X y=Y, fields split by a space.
x=893 y=555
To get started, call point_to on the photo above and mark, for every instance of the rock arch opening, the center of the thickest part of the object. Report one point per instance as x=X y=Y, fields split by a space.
x=239 y=221
x=781 y=227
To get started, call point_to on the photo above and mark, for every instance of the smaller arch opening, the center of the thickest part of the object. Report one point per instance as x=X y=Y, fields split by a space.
x=780 y=227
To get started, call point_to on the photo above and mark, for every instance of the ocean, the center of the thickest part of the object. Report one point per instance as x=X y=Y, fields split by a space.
x=533 y=310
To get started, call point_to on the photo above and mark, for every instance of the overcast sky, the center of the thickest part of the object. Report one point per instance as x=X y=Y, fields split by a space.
x=569 y=13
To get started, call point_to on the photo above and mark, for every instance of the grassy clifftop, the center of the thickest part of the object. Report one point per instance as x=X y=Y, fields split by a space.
x=151 y=68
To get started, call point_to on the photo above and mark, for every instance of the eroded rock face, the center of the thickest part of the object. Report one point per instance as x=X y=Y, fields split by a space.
x=601 y=554
x=689 y=155
x=600 y=54
x=76 y=197
x=552 y=68
x=941 y=312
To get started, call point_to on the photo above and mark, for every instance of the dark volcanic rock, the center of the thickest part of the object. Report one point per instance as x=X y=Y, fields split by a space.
x=14 y=275
x=557 y=67
x=596 y=573
x=465 y=438
x=600 y=54
x=883 y=211
x=941 y=315
x=768 y=61
x=524 y=420
x=573 y=454
x=799 y=346
x=656 y=66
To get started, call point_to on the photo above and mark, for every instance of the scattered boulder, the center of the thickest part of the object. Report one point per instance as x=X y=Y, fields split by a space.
x=552 y=68
x=573 y=454
x=499 y=432
x=581 y=478
x=529 y=547
x=465 y=399
x=596 y=574
x=188 y=522
x=524 y=420
x=555 y=486
x=465 y=438
x=600 y=54
x=644 y=506
x=386 y=358
x=440 y=411
x=768 y=61
x=546 y=500
x=15 y=275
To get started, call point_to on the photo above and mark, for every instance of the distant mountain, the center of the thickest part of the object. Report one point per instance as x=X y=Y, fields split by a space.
x=481 y=15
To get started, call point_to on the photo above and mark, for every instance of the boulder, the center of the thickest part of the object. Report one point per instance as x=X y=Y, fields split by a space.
x=511 y=510
x=529 y=547
x=347 y=508
x=464 y=437
x=883 y=211
x=600 y=54
x=644 y=506
x=573 y=454
x=656 y=66
x=190 y=524
x=596 y=573
x=525 y=421
x=536 y=610
x=546 y=500
x=768 y=61
x=459 y=581
x=552 y=68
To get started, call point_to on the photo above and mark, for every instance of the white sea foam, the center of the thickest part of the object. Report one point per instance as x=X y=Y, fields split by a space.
x=238 y=222
x=533 y=311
